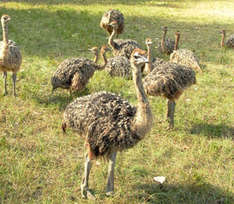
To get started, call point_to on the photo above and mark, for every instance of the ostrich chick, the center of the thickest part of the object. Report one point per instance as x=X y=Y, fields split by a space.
x=229 y=43
x=10 y=56
x=184 y=56
x=74 y=73
x=166 y=45
x=109 y=16
x=169 y=80
x=109 y=123
x=121 y=47
x=119 y=66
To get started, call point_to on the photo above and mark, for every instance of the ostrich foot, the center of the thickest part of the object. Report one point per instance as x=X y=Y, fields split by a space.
x=110 y=193
x=86 y=193
x=170 y=127
x=90 y=196
x=5 y=93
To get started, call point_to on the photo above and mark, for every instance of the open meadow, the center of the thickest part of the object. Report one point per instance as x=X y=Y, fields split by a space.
x=41 y=164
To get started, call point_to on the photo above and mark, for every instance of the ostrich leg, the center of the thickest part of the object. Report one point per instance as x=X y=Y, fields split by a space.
x=110 y=180
x=14 y=81
x=170 y=112
x=5 y=83
x=84 y=186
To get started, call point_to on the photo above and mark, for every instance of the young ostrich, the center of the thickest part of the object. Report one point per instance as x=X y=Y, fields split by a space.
x=152 y=62
x=166 y=45
x=119 y=66
x=109 y=123
x=74 y=73
x=121 y=47
x=168 y=80
x=108 y=17
x=229 y=43
x=184 y=56
x=10 y=56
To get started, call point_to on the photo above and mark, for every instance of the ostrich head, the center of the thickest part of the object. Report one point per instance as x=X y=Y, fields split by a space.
x=105 y=49
x=223 y=32
x=94 y=50
x=138 y=59
x=114 y=25
x=164 y=29
x=177 y=33
x=148 y=41
x=5 y=19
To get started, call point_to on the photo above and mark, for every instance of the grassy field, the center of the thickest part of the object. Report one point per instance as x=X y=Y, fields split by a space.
x=39 y=164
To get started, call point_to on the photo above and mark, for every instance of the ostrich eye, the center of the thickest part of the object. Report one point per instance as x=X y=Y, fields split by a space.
x=136 y=56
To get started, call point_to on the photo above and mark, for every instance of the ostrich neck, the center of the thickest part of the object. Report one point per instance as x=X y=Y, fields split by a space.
x=111 y=41
x=148 y=66
x=4 y=50
x=95 y=60
x=177 y=38
x=163 y=41
x=143 y=117
x=103 y=56
x=5 y=33
x=222 y=40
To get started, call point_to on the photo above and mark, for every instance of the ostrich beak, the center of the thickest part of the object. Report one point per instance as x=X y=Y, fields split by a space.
x=108 y=49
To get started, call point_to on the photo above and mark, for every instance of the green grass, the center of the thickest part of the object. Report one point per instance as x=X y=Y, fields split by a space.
x=39 y=164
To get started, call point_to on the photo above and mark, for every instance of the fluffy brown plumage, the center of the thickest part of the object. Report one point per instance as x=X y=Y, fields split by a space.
x=10 y=56
x=166 y=45
x=169 y=80
x=112 y=15
x=121 y=47
x=105 y=119
x=109 y=123
x=119 y=66
x=184 y=56
x=75 y=73
x=230 y=41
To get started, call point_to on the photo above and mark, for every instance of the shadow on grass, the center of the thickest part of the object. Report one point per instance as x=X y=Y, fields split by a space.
x=62 y=32
x=58 y=99
x=164 y=3
x=199 y=194
x=213 y=131
x=90 y=2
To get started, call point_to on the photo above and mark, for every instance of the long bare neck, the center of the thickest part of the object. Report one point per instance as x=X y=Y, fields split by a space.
x=4 y=50
x=143 y=118
x=222 y=40
x=177 y=38
x=111 y=39
x=95 y=59
x=163 y=41
x=148 y=66
x=103 y=56
x=5 y=33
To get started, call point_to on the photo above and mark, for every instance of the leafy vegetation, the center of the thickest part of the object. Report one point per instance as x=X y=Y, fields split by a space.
x=39 y=164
